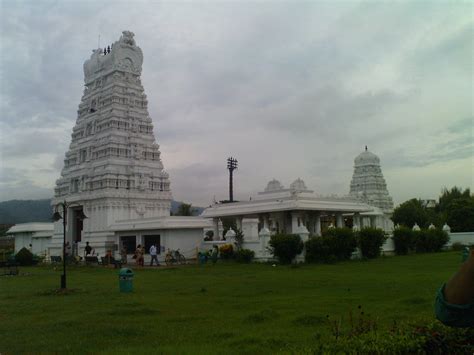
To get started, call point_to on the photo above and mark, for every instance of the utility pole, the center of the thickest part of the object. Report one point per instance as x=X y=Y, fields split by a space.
x=231 y=165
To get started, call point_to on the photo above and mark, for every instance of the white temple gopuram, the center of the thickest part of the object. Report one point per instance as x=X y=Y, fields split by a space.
x=112 y=171
x=368 y=182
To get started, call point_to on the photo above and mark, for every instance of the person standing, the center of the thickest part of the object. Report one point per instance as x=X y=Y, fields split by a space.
x=123 y=255
x=139 y=255
x=154 y=255
x=87 y=249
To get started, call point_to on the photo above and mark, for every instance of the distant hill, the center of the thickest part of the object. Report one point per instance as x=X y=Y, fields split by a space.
x=23 y=211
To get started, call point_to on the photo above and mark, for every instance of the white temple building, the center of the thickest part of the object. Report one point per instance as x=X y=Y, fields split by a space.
x=298 y=210
x=112 y=171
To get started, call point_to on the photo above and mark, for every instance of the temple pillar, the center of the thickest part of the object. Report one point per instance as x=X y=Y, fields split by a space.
x=317 y=224
x=295 y=222
x=339 y=220
x=356 y=221
x=264 y=236
x=373 y=221
x=238 y=222
x=266 y=223
x=216 y=228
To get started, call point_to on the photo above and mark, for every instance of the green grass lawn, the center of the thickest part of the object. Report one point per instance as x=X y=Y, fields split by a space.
x=222 y=308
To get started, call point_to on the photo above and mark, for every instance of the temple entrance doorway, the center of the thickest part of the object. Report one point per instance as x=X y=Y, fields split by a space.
x=77 y=224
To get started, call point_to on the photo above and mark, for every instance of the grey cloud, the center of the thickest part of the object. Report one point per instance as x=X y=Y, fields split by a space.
x=289 y=88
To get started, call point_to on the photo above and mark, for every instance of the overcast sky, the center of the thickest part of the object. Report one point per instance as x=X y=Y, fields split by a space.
x=291 y=89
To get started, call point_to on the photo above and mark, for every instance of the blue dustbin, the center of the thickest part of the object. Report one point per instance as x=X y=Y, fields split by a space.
x=126 y=280
x=202 y=258
x=465 y=254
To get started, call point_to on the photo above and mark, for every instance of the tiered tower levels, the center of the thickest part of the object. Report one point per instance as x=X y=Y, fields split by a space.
x=368 y=182
x=113 y=153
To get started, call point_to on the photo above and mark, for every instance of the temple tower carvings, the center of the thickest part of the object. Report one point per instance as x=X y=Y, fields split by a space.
x=368 y=182
x=113 y=170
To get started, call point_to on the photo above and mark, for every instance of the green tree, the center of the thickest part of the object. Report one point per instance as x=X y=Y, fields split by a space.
x=409 y=213
x=447 y=196
x=185 y=209
x=460 y=214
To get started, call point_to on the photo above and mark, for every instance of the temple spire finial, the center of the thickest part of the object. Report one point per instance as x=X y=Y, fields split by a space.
x=365 y=148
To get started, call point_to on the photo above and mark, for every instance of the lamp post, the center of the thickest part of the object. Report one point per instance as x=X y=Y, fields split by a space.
x=56 y=217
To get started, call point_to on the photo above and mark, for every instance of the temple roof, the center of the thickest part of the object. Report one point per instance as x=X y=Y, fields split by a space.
x=274 y=185
x=298 y=185
x=366 y=158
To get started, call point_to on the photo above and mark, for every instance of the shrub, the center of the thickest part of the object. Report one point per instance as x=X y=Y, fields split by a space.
x=24 y=257
x=226 y=251
x=403 y=240
x=436 y=239
x=419 y=241
x=431 y=338
x=429 y=240
x=335 y=245
x=285 y=247
x=239 y=239
x=370 y=241
x=244 y=255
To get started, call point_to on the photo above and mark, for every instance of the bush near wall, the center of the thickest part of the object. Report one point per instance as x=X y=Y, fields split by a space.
x=24 y=257
x=336 y=244
x=226 y=251
x=244 y=255
x=370 y=241
x=285 y=247
x=429 y=240
x=403 y=240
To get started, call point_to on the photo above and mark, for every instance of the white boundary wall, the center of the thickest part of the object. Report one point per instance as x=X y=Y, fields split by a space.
x=466 y=238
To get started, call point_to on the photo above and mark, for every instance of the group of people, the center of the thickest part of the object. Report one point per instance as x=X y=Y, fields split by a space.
x=140 y=253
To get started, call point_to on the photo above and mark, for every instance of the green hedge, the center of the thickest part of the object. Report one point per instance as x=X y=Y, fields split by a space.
x=244 y=255
x=285 y=247
x=429 y=240
x=403 y=240
x=422 y=241
x=370 y=241
x=336 y=244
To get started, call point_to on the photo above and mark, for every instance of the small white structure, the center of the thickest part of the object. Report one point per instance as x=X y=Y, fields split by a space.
x=172 y=232
x=38 y=235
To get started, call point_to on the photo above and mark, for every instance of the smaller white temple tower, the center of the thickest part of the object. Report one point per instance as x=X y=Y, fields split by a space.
x=368 y=182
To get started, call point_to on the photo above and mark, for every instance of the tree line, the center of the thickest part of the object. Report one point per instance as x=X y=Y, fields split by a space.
x=454 y=207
